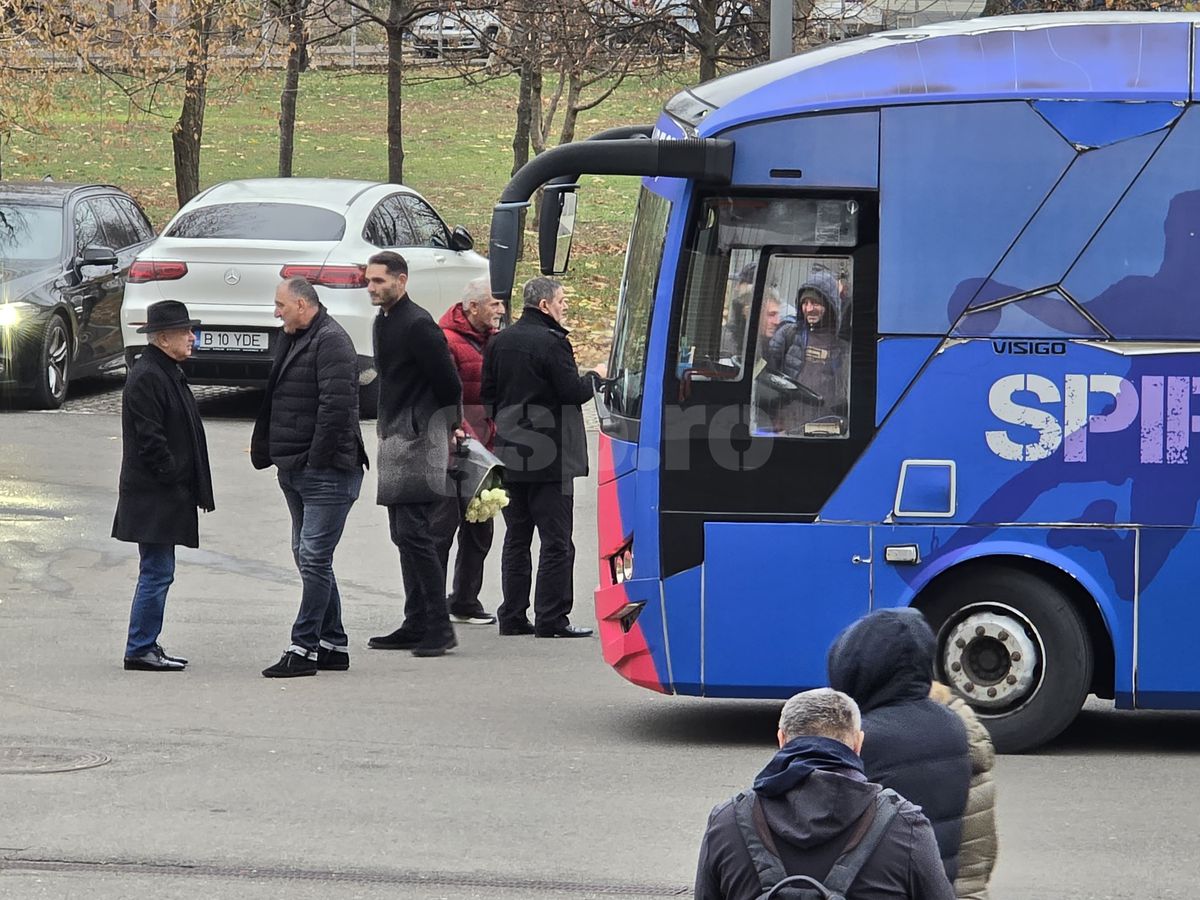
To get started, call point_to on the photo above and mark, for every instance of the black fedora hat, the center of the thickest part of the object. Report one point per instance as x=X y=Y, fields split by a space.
x=165 y=315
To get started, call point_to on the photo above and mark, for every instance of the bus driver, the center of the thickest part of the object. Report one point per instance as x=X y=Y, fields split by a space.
x=811 y=352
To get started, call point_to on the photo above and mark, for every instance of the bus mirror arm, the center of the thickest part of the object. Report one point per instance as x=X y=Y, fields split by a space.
x=556 y=219
x=706 y=160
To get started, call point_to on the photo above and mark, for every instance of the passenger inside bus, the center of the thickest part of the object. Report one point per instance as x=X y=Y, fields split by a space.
x=739 y=297
x=803 y=388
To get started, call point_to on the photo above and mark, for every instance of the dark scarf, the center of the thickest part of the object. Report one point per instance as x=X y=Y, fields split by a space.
x=799 y=758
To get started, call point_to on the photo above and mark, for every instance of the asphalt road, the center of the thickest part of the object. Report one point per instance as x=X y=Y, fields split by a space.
x=514 y=768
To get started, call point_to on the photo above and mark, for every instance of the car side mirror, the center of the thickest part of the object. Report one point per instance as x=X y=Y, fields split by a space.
x=460 y=239
x=96 y=258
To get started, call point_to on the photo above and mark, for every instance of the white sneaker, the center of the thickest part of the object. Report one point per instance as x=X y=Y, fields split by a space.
x=480 y=618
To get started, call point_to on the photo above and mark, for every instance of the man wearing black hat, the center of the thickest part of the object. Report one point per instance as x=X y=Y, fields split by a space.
x=165 y=476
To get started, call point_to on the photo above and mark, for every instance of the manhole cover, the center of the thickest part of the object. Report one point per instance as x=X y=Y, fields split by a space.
x=42 y=760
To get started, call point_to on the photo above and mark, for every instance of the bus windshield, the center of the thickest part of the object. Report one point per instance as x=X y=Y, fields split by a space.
x=627 y=364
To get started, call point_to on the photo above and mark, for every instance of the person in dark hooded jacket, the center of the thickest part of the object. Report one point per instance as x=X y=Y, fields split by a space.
x=811 y=352
x=914 y=745
x=815 y=802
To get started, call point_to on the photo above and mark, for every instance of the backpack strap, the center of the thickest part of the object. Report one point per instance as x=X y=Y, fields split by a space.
x=848 y=865
x=768 y=864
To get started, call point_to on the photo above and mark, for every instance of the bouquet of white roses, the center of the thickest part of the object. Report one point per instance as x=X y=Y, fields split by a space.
x=475 y=472
x=485 y=505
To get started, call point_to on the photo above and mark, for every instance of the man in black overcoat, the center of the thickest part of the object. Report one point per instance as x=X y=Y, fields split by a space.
x=534 y=391
x=420 y=407
x=165 y=476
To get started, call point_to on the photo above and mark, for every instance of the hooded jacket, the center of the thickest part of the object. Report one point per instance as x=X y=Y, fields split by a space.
x=913 y=745
x=977 y=853
x=812 y=821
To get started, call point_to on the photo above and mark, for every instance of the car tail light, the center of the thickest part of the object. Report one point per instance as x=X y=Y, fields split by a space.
x=144 y=270
x=327 y=276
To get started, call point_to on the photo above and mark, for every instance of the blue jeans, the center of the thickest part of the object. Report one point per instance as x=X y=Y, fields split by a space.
x=155 y=574
x=319 y=501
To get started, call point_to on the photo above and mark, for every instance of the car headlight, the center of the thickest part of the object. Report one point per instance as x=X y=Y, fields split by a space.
x=12 y=314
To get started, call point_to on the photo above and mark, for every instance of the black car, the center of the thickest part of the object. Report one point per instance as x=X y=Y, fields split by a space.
x=65 y=250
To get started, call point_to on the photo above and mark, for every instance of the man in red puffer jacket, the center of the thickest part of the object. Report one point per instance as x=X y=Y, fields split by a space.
x=467 y=326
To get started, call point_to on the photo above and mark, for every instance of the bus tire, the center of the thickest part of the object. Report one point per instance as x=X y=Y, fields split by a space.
x=1016 y=648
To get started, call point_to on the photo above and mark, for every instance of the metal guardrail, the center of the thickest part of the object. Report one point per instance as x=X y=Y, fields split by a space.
x=362 y=56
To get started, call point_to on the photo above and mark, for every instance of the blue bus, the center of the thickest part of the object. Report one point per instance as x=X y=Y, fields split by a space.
x=908 y=320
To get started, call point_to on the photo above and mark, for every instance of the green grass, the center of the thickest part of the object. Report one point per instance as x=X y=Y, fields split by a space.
x=457 y=141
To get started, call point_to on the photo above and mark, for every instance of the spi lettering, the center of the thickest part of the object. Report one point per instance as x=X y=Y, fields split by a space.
x=1166 y=422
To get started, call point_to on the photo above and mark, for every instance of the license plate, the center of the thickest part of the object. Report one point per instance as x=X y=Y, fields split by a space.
x=233 y=341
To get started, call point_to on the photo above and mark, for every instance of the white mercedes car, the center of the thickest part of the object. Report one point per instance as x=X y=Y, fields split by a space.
x=226 y=250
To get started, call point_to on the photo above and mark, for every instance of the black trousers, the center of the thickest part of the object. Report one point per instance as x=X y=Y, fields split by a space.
x=422 y=532
x=474 y=542
x=549 y=507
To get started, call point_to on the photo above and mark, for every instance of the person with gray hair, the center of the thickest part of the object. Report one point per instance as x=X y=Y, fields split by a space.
x=535 y=391
x=468 y=326
x=165 y=476
x=811 y=815
x=308 y=429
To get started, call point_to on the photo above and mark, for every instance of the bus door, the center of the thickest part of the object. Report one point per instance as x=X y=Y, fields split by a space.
x=769 y=400
x=1166 y=670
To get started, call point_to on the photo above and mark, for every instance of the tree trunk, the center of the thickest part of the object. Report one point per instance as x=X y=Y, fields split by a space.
x=186 y=135
x=521 y=134
x=571 y=116
x=707 y=38
x=526 y=111
x=395 y=86
x=293 y=14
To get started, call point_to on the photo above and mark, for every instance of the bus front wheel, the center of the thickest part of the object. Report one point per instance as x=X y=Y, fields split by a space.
x=1016 y=648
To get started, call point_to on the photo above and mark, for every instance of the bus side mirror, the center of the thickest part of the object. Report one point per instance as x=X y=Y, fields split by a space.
x=503 y=246
x=557 y=227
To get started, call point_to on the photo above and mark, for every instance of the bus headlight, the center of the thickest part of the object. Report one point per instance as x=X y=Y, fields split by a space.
x=621 y=563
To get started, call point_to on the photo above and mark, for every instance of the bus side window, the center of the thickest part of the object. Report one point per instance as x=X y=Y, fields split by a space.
x=719 y=297
x=801 y=385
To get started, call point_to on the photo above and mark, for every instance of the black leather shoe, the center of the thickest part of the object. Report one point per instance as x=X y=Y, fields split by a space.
x=400 y=639
x=518 y=627
x=152 y=661
x=164 y=655
x=564 y=631
x=438 y=646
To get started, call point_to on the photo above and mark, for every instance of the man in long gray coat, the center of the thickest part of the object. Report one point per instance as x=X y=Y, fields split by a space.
x=165 y=476
x=420 y=407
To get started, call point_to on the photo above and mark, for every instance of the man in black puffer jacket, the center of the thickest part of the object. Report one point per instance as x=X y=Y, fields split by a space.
x=914 y=746
x=308 y=429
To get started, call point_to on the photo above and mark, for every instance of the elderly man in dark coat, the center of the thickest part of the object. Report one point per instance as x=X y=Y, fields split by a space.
x=420 y=406
x=914 y=745
x=535 y=392
x=165 y=476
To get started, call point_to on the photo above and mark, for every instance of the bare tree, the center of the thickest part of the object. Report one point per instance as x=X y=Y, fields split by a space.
x=394 y=17
x=294 y=24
